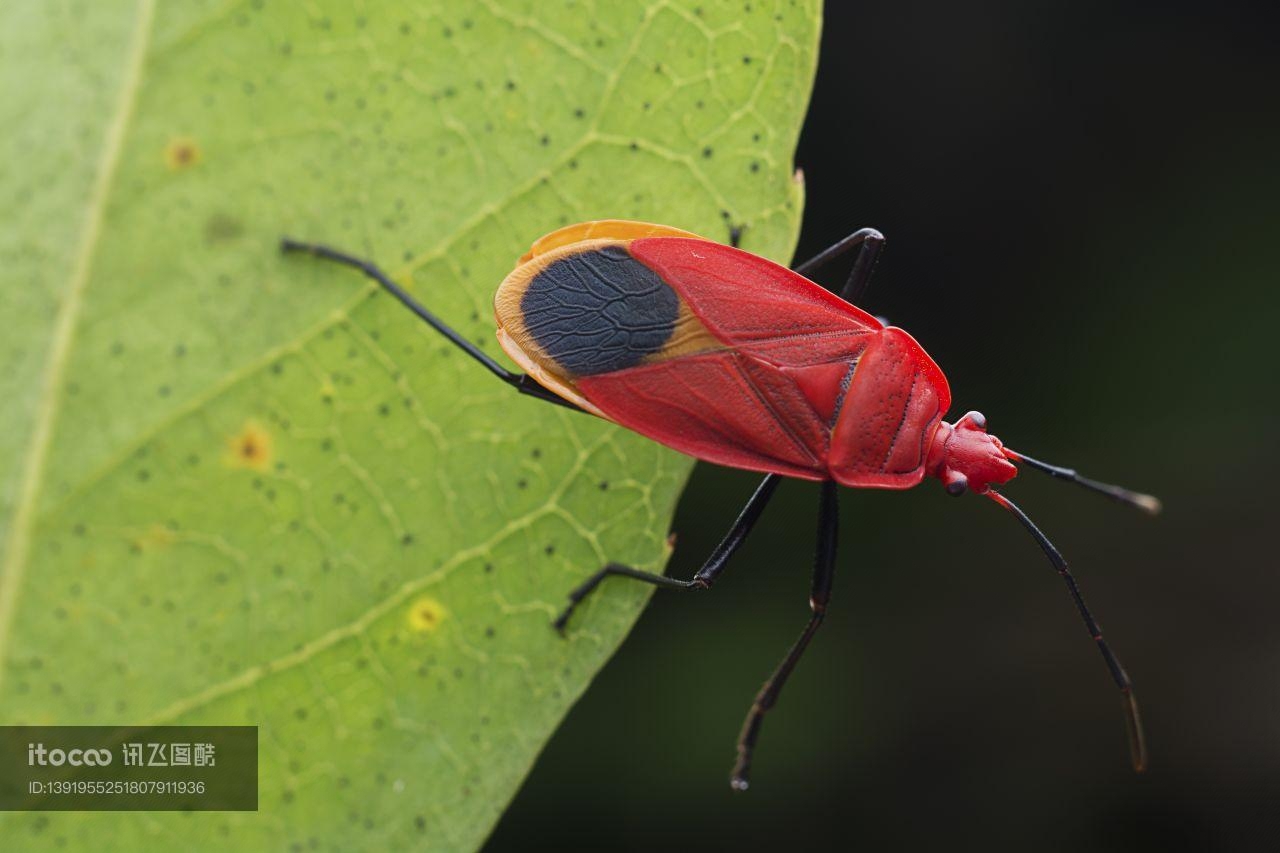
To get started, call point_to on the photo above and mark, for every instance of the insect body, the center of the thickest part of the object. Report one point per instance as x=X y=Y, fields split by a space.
x=736 y=360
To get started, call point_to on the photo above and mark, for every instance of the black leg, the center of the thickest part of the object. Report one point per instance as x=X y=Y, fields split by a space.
x=869 y=242
x=521 y=382
x=704 y=577
x=819 y=594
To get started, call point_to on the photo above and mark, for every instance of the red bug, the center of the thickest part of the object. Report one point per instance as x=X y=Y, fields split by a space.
x=736 y=360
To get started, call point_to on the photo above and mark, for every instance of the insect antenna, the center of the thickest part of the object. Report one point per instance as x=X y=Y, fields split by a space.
x=1133 y=723
x=1147 y=503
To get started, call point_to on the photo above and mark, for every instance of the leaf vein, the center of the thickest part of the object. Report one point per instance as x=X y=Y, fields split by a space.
x=17 y=547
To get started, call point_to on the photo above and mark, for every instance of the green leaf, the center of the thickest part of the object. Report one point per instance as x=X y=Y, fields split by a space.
x=240 y=488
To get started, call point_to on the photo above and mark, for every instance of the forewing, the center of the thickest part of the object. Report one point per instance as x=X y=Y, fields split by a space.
x=715 y=352
x=724 y=407
x=759 y=307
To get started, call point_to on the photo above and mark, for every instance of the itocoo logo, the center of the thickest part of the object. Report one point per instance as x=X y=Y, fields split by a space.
x=37 y=754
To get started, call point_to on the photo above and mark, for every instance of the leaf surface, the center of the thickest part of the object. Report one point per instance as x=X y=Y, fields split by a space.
x=239 y=488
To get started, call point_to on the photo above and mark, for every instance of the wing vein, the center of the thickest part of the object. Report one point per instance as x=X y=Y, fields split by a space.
x=767 y=405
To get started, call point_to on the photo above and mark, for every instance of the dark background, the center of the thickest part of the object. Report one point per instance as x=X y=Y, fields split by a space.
x=1081 y=206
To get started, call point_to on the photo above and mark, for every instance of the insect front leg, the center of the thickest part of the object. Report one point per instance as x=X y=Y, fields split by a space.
x=868 y=242
x=523 y=383
x=819 y=594
x=704 y=577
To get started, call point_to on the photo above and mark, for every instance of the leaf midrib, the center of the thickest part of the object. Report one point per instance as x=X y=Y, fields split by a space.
x=17 y=546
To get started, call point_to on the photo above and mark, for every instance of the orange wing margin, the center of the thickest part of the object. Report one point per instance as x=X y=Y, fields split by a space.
x=606 y=229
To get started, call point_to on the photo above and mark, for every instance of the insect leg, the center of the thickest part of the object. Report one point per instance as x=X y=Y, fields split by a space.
x=819 y=595
x=520 y=381
x=868 y=242
x=704 y=577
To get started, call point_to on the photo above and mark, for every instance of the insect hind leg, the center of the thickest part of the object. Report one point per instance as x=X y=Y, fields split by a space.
x=703 y=578
x=523 y=383
x=588 y=586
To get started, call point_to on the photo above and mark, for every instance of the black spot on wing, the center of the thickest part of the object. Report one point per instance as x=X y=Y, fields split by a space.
x=599 y=311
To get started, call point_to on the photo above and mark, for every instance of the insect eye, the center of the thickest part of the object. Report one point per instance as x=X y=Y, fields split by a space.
x=957 y=486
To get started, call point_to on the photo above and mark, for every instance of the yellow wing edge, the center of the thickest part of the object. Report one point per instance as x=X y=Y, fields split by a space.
x=601 y=229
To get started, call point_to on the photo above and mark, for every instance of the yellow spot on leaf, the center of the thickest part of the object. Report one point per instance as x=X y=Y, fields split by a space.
x=425 y=615
x=181 y=152
x=250 y=448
